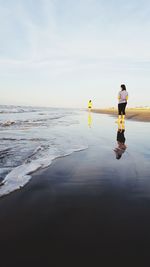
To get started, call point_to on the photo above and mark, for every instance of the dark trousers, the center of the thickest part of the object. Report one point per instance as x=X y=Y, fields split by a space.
x=122 y=108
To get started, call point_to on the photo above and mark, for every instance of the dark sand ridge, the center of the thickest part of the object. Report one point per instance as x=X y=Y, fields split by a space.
x=87 y=209
x=131 y=113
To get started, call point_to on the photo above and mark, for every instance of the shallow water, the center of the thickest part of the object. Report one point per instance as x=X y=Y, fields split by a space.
x=30 y=138
x=132 y=170
x=33 y=137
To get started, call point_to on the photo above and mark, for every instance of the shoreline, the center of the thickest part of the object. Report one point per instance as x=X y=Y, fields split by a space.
x=142 y=115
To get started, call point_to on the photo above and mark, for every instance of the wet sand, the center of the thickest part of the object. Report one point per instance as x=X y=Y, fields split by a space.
x=57 y=219
x=86 y=209
x=142 y=115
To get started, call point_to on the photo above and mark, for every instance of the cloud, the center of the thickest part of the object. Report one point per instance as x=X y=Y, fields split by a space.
x=49 y=40
x=53 y=41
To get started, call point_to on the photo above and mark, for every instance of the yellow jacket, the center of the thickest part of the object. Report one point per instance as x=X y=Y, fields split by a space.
x=89 y=104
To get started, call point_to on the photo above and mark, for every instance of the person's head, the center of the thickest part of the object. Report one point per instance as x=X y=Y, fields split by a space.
x=90 y=101
x=118 y=153
x=123 y=87
x=118 y=156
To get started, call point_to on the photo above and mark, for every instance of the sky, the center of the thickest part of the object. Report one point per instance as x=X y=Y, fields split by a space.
x=61 y=53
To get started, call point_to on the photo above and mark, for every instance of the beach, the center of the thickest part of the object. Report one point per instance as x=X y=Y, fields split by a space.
x=87 y=208
x=137 y=114
x=74 y=133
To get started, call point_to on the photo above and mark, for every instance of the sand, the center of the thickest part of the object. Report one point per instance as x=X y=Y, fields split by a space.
x=131 y=113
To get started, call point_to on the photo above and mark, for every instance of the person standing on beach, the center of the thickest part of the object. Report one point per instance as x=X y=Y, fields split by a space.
x=123 y=98
x=90 y=105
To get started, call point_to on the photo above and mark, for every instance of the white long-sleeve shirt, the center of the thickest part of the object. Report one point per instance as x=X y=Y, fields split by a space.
x=123 y=96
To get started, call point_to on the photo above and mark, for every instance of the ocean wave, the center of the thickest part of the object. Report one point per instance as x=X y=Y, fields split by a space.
x=15 y=109
x=7 y=123
x=35 y=122
x=31 y=141
x=21 y=175
x=22 y=139
x=4 y=153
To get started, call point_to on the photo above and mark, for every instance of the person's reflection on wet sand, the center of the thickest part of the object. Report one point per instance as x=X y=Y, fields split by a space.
x=121 y=148
x=89 y=119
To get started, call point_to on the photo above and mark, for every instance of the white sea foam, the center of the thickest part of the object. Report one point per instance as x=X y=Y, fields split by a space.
x=15 y=109
x=32 y=141
x=21 y=175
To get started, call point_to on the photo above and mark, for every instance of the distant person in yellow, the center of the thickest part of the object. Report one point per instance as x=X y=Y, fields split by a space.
x=122 y=98
x=90 y=105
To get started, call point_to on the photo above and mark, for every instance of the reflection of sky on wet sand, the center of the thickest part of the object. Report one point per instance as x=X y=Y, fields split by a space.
x=132 y=171
x=89 y=119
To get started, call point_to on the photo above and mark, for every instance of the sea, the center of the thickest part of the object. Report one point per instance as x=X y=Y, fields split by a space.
x=31 y=138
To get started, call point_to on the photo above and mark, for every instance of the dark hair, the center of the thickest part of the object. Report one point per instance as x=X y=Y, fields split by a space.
x=118 y=157
x=123 y=87
x=90 y=100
